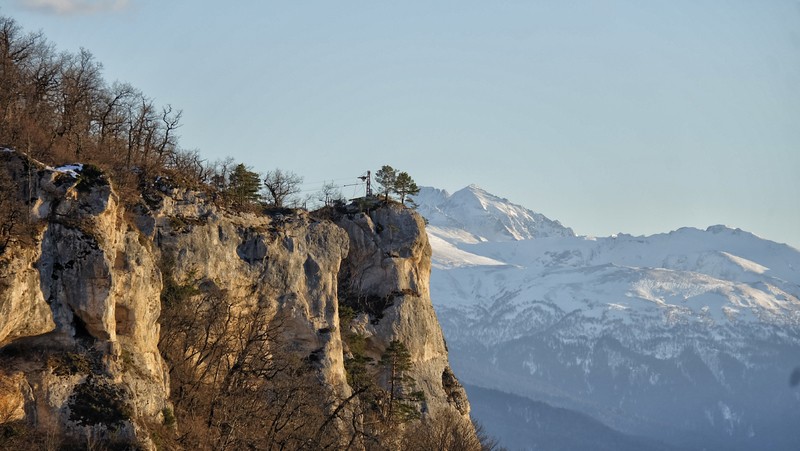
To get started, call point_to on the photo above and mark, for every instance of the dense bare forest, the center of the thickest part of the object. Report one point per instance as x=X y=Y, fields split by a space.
x=56 y=107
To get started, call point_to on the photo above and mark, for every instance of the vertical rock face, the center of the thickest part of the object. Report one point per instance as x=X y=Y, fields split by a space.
x=23 y=310
x=387 y=276
x=80 y=307
x=80 y=302
x=288 y=263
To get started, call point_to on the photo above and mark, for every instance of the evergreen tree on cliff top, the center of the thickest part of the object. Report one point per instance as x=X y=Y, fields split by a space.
x=393 y=182
x=243 y=186
x=404 y=186
x=386 y=177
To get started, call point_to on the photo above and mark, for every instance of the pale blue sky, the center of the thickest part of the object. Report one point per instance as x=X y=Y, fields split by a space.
x=610 y=116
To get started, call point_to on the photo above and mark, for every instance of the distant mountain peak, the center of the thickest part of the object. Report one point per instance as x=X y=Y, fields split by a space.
x=475 y=190
x=486 y=216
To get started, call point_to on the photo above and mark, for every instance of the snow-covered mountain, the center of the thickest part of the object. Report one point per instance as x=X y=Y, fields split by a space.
x=687 y=337
x=483 y=216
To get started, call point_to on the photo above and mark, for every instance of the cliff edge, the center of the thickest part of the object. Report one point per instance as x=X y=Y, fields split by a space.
x=116 y=319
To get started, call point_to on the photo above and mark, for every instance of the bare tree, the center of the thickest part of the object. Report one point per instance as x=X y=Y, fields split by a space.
x=81 y=85
x=280 y=185
x=190 y=168
x=29 y=77
x=57 y=107
x=444 y=430
x=170 y=121
x=236 y=383
x=329 y=195
x=112 y=112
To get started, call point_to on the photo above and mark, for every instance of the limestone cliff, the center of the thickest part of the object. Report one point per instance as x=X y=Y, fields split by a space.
x=80 y=308
x=80 y=302
x=386 y=276
x=289 y=262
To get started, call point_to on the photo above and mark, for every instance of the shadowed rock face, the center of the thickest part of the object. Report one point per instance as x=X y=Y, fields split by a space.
x=79 y=307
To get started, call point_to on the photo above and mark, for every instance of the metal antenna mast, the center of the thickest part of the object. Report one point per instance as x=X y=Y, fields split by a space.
x=367 y=178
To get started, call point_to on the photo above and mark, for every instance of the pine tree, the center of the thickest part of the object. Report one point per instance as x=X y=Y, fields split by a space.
x=386 y=176
x=404 y=186
x=243 y=186
x=400 y=387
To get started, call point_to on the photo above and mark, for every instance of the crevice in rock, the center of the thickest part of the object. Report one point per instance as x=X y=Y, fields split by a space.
x=123 y=319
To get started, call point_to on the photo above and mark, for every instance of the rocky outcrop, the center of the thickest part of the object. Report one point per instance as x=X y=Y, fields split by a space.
x=80 y=302
x=287 y=262
x=386 y=278
x=81 y=308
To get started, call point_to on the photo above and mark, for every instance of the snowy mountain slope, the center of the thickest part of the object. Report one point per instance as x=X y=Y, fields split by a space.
x=685 y=249
x=632 y=298
x=687 y=337
x=450 y=256
x=675 y=278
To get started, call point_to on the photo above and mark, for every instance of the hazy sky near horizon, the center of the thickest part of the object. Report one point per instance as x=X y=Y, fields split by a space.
x=608 y=115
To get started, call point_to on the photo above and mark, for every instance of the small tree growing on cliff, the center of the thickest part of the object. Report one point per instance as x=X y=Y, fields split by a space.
x=405 y=186
x=386 y=177
x=280 y=185
x=402 y=396
x=330 y=195
x=399 y=183
x=243 y=186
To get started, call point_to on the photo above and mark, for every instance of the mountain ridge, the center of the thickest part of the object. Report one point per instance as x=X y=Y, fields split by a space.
x=634 y=330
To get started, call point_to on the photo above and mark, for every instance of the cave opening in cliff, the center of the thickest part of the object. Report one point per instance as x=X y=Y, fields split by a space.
x=81 y=331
